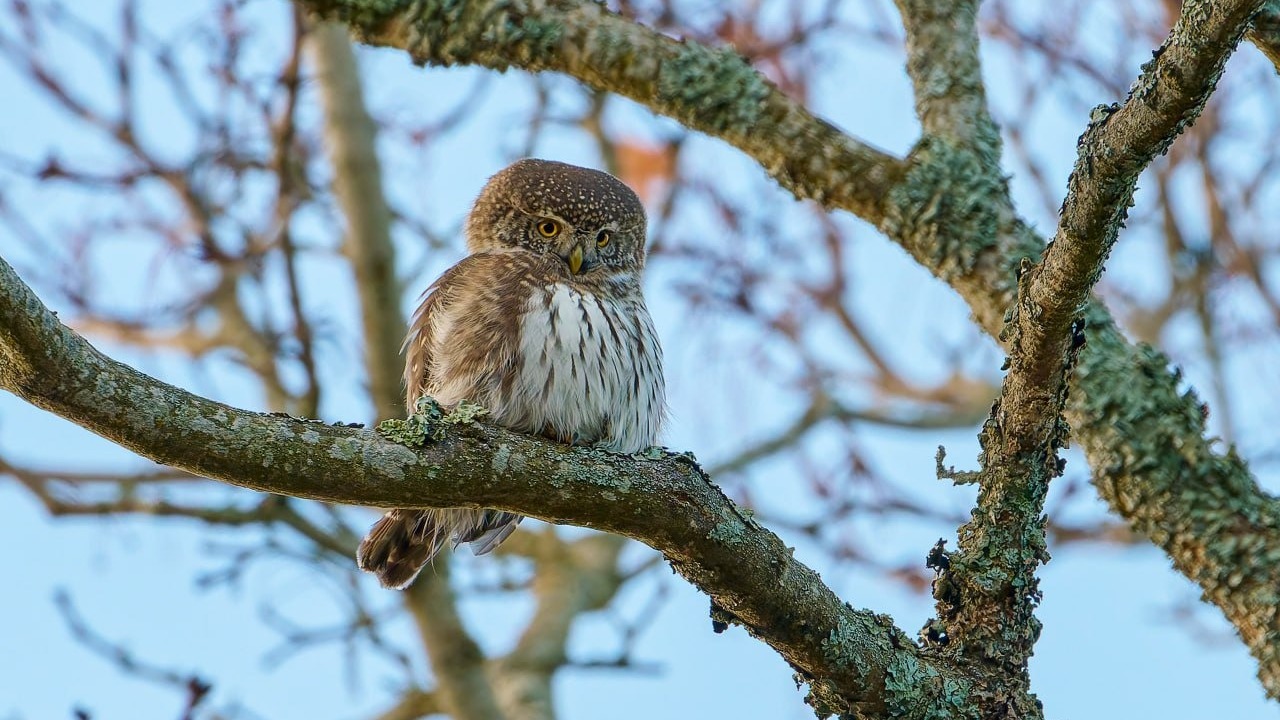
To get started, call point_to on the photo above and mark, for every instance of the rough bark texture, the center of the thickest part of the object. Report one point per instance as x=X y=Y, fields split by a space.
x=986 y=590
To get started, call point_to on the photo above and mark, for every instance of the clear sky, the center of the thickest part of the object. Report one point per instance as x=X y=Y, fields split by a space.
x=1110 y=647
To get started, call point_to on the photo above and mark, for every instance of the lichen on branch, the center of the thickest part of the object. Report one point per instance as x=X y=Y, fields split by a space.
x=664 y=500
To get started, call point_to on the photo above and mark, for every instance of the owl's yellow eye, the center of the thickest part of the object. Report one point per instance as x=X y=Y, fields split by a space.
x=602 y=238
x=548 y=228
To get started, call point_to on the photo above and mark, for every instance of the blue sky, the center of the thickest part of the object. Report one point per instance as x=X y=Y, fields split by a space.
x=1109 y=648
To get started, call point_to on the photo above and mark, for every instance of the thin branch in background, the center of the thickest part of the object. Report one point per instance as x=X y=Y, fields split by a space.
x=195 y=690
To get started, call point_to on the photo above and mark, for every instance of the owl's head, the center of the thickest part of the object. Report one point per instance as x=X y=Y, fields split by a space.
x=588 y=218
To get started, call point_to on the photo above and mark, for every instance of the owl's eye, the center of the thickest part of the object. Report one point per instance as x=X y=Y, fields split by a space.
x=548 y=228
x=602 y=238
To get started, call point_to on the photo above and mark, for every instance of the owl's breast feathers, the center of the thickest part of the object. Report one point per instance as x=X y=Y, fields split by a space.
x=546 y=352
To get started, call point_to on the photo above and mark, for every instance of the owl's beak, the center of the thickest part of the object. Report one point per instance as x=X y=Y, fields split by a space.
x=575 y=259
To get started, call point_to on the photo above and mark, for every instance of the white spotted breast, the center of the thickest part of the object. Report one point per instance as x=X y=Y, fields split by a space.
x=589 y=370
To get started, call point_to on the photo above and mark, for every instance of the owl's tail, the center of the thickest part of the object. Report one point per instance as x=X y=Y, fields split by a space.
x=400 y=544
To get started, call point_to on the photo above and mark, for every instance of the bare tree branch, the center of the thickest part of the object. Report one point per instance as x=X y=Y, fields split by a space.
x=849 y=657
x=194 y=688
x=570 y=578
x=464 y=691
x=357 y=183
x=414 y=704
x=942 y=60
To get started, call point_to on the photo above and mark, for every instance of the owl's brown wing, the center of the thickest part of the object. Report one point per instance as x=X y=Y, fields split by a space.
x=470 y=316
x=461 y=345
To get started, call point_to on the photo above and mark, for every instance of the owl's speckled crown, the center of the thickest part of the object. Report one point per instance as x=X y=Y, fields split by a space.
x=581 y=196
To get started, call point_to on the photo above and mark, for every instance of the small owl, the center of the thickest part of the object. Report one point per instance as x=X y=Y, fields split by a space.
x=544 y=324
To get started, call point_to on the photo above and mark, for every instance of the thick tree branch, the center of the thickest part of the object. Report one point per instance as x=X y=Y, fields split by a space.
x=709 y=90
x=1116 y=147
x=851 y=658
x=988 y=593
x=1265 y=32
x=946 y=74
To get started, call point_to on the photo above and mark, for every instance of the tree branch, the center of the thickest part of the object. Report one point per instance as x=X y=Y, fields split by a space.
x=1117 y=146
x=570 y=578
x=357 y=184
x=464 y=689
x=1265 y=32
x=991 y=589
x=413 y=705
x=849 y=657
x=710 y=90
x=946 y=73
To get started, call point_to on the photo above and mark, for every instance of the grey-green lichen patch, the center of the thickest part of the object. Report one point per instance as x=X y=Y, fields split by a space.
x=428 y=408
x=615 y=45
x=916 y=690
x=585 y=469
x=536 y=39
x=501 y=458
x=653 y=452
x=506 y=459
x=728 y=531
x=410 y=432
x=731 y=528
x=364 y=16
x=209 y=424
x=836 y=644
x=346 y=449
x=945 y=211
x=464 y=414
x=712 y=90
x=562 y=470
x=426 y=423
x=496 y=34
x=451 y=31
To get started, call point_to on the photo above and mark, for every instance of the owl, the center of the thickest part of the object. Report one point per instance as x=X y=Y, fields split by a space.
x=544 y=324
